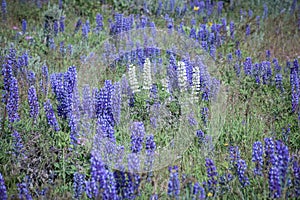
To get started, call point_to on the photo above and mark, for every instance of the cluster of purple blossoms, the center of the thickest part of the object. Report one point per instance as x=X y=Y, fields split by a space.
x=3 y=191
x=24 y=192
x=78 y=25
x=198 y=192
x=33 y=102
x=150 y=150
x=24 y=26
x=248 y=66
x=52 y=121
x=212 y=173
x=174 y=183
x=241 y=168
x=64 y=86
x=17 y=144
x=55 y=27
x=12 y=105
x=99 y=23
x=294 y=82
x=102 y=183
x=274 y=182
x=137 y=136
x=78 y=185
x=200 y=136
x=62 y=24
x=257 y=157
x=270 y=154
x=283 y=158
x=296 y=180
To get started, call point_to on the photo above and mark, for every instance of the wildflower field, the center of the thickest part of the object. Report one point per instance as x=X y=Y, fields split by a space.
x=158 y=99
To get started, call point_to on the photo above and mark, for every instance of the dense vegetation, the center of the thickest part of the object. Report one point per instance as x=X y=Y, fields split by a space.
x=149 y=99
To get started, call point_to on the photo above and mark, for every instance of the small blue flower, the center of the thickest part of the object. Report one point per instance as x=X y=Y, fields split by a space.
x=174 y=183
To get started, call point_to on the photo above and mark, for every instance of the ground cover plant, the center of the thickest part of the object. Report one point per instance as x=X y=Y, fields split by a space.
x=149 y=99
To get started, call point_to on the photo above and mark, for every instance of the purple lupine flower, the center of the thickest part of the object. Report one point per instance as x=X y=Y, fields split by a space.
x=238 y=54
x=257 y=157
x=17 y=144
x=295 y=89
x=78 y=185
x=266 y=72
x=277 y=68
x=296 y=178
x=99 y=175
x=51 y=116
x=229 y=57
x=77 y=26
x=33 y=102
x=270 y=154
x=137 y=136
x=231 y=29
x=7 y=76
x=24 y=192
x=87 y=24
x=31 y=77
x=257 y=72
x=103 y=104
x=110 y=191
x=198 y=192
x=283 y=161
x=55 y=27
x=85 y=32
x=4 y=9
x=212 y=173
x=274 y=182
x=278 y=82
x=52 y=44
x=62 y=24
x=250 y=13
x=200 y=136
x=12 y=105
x=248 y=31
x=241 y=168
x=104 y=128
x=3 y=191
x=116 y=100
x=24 y=26
x=248 y=66
x=150 y=150
x=99 y=22
x=174 y=182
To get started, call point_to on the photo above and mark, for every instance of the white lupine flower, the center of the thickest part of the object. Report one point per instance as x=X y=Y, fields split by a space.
x=134 y=85
x=147 y=75
x=196 y=87
x=182 y=79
